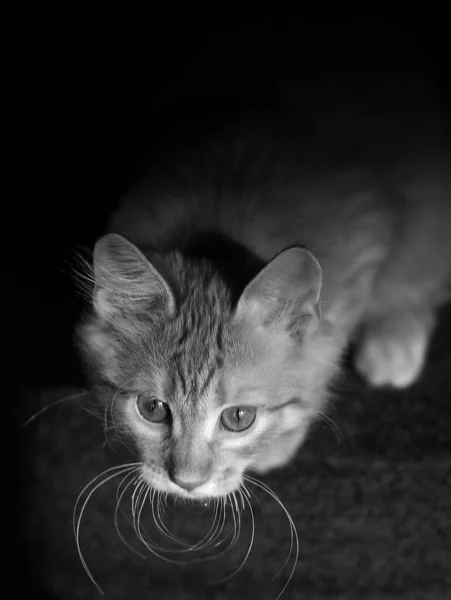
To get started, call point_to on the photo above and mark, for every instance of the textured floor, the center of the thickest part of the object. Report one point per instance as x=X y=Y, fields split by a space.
x=373 y=513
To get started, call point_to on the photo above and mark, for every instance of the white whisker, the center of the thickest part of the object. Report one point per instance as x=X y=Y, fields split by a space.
x=249 y=493
x=251 y=542
x=114 y=472
x=220 y=528
x=237 y=520
x=333 y=426
x=214 y=530
x=138 y=500
x=235 y=527
x=105 y=419
x=240 y=492
x=119 y=497
x=110 y=408
x=293 y=532
x=44 y=409
x=149 y=544
x=162 y=528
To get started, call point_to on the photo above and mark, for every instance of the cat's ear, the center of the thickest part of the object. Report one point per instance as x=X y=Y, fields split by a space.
x=287 y=291
x=126 y=282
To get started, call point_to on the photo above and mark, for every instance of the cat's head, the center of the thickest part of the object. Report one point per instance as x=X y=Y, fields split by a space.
x=207 y=387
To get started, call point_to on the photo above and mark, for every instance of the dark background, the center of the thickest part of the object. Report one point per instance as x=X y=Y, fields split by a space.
x=96 y=99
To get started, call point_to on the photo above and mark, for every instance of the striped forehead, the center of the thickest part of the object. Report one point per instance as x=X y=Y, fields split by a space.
x=197 y=357
x=192 y=375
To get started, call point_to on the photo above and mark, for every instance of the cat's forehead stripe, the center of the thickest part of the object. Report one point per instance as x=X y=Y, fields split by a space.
x=208 y=379
x=198 y=348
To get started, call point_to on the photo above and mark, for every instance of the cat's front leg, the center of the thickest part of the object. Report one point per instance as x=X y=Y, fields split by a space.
x=392 y=346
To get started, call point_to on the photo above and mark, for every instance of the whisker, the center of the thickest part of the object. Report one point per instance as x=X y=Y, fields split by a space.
x=200 y=545
x=213 y=532
x=138 y=499
x=231 y=531
x=110 y=408
x=219 y=529
x=138 y=503
x=152 y=497
x=293 y=532
x=114 y=472
x=251 y=542
x=165 y=505
x=235 y=527
x=153 y=548
x=333 y=426
x=236 y=523
x=273 y=495
x=119 y=497
x=105 y=419
x=119 y=490
x=162 y=528
x=238 y=515
x=44 y=409
x=249 y=493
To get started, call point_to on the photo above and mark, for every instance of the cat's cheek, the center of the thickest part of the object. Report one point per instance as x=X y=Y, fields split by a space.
x=295 y=418
x=281 y=451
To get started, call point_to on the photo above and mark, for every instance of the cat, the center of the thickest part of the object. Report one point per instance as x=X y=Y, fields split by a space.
x=234 y=277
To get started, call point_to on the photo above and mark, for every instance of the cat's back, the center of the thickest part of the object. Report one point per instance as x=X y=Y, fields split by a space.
x=327 y=173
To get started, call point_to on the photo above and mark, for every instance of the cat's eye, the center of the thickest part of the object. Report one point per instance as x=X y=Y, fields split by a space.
x=152 y=409
x=238 y=418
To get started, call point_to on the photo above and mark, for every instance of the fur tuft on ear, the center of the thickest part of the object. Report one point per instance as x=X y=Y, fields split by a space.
x=126 y=282
x=287 y=290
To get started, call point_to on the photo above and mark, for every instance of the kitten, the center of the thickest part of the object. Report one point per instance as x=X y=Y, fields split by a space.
x=238 y=272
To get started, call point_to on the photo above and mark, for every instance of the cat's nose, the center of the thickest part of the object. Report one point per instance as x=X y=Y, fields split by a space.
x=189 y=482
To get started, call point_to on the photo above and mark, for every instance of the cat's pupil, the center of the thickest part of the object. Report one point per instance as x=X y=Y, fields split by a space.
x=152 y=409
x=237 y=418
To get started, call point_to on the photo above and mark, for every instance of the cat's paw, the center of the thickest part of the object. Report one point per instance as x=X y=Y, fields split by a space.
x=392 y=349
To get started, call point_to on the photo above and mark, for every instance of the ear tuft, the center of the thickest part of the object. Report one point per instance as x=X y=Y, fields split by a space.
x=126 y=282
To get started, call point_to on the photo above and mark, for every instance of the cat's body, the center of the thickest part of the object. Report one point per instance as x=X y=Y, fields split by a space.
x=206 y=327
